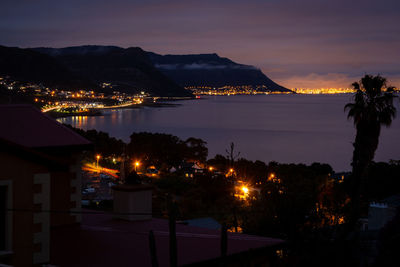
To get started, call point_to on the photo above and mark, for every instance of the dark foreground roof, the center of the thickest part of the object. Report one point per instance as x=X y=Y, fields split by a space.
x=103 y=241
x=29 y=127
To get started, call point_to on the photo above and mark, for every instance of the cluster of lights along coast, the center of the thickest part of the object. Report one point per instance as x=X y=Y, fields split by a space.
x=87 y=102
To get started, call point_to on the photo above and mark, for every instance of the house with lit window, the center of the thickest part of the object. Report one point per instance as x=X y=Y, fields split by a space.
x=39 y=182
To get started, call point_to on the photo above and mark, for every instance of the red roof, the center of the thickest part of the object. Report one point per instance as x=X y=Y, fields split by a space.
x=29 y=127
x=103 y=241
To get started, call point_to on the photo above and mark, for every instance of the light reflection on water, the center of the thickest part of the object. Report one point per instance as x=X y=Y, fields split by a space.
x=283 y=128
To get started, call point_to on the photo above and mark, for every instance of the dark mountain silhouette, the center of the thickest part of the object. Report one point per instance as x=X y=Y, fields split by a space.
x=26 y=65
x=85 y=67
x=129 y=69
x=210 y=70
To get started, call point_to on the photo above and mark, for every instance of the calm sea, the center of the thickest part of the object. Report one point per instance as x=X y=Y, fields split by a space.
x=282 y=128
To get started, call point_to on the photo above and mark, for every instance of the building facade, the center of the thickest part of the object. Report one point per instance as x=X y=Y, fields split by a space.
x=39 y=183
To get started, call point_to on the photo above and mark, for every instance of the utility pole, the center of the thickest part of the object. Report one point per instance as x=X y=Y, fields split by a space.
x=97 y=158
x=123 y=171
x=173 y=254
x=153 y=250
x=235 y=221
x=224 y=240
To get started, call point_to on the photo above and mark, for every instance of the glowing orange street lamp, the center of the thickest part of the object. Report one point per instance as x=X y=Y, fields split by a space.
x=245 y=190
x=211 y=169
x=230 y=172
x=137 y=163
x=97 y=158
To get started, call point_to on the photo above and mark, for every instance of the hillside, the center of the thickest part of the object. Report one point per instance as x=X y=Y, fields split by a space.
x=210 y=70
x=129 y=70
x=26 y=65
x=86 y=67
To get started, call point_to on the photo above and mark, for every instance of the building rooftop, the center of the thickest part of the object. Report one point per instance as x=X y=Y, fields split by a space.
x=103 y=241
x=207 y=222
x=27 y=126
x=392 y=201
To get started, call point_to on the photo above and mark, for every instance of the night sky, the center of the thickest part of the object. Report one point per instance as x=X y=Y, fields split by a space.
x=302 y=43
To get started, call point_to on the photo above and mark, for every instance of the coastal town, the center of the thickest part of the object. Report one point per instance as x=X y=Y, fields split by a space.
x=61 y=103
x=233 y=90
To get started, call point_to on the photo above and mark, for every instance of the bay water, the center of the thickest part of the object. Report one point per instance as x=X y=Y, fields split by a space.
x=281 y=128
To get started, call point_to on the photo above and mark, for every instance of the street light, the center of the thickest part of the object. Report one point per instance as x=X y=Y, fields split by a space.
x=137 y=163
x=97 y=158
x=211 y=169
x=271 y=177
x=245 y=190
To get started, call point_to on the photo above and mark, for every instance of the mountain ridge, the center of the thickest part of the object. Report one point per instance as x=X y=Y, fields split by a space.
x=211 y=70
x=128 y=69
x=27 y=65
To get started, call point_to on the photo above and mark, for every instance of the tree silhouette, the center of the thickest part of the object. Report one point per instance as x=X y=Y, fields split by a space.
x=232 y=156
x=372 y=108
x=196 y=149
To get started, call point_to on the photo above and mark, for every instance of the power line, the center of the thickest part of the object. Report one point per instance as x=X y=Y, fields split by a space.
x=104 y=212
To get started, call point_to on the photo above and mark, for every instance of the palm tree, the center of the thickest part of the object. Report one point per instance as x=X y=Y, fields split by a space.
x=372 y=108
